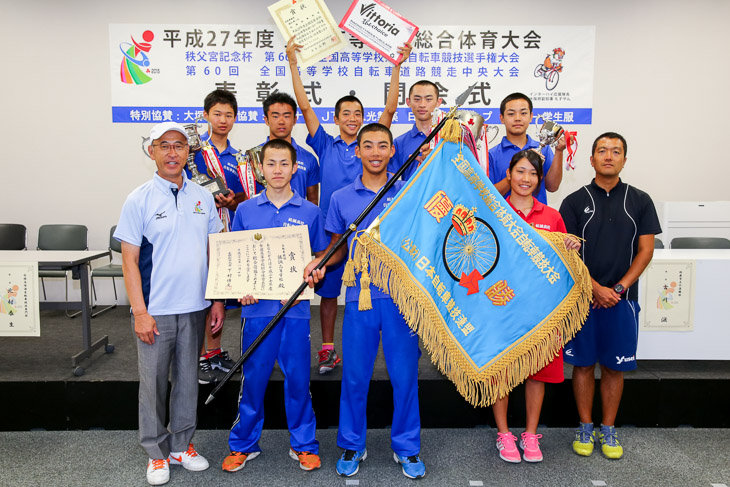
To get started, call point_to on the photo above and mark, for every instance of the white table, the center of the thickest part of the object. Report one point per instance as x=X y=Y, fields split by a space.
x=75 y=261
x=710 y=339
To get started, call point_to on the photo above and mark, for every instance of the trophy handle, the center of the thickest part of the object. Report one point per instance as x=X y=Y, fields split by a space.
x=145 y=145
x=495 y=129
x=538 y=126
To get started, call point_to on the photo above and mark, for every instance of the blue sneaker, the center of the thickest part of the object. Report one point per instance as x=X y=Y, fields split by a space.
x=413 y=466
x=349 y=462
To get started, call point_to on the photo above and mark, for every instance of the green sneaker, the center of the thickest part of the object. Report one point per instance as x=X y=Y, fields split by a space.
x=610 y=446
x=584 y=439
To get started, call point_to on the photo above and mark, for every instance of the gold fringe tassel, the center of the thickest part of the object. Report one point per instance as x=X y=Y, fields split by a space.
x=364 y=302
x=510 y=369
x=451 y=132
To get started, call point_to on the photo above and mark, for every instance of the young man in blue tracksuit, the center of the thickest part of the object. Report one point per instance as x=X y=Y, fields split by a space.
x=362 y=330
x=288 y=342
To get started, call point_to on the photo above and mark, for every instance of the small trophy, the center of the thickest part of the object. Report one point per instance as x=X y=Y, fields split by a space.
x=549 y=133
x=252 y=159
x=215 y=186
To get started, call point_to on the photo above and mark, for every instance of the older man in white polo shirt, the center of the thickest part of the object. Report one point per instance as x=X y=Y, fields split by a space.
x=164 y=229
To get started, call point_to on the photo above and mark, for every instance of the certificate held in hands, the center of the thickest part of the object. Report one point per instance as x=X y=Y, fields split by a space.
x=266 y=264
x=312 y=24
x=380 y=27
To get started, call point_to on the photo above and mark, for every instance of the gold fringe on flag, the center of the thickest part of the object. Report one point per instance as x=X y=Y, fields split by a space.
x=506 y=371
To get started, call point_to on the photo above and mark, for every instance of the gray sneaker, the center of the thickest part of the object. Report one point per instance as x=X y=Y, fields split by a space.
x=206 y=375
x=328 y=360
x=222 y=361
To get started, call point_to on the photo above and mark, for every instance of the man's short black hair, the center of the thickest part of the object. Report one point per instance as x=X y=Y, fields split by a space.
x=513 y=97
x=279 y=144
x=374 y=127
x=424 y=82
x=609 y=135
x=345 y=99
x=223 y=97
x=279 y=97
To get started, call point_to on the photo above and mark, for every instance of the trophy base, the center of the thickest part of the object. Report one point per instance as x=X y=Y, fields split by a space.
x=215 y=186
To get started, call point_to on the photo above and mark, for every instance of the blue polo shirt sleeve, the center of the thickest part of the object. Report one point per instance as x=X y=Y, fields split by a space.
x=131 y=225
x=317 y=238
x=335 y=222
x=238 y=219
x=313 y=177
x=548 y=153
x=320 y=142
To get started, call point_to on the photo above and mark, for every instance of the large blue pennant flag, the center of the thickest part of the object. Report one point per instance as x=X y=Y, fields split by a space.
x=493 y=299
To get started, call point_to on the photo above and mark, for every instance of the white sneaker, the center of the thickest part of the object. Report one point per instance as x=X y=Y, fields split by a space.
x=190 y=460
x=158 y=472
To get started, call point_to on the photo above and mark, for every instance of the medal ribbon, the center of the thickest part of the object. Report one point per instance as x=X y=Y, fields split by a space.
x=215 y=169
x=571 y=143
x=245 y=174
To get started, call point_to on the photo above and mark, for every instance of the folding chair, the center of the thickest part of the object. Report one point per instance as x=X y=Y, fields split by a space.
x=61 y=237
x=12 y=236
x=700 y=243
x=110 y=270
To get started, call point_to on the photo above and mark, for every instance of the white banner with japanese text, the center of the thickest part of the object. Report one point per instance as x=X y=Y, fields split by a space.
x=163 y=72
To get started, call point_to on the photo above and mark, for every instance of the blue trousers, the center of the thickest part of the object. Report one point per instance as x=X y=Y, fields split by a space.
x=289 y=343
x=361 y=334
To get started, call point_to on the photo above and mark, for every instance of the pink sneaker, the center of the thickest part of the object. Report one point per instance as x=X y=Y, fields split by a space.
x=506 y=444
x=530 y=445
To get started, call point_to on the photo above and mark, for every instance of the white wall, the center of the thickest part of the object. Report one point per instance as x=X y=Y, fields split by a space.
x=660 y=76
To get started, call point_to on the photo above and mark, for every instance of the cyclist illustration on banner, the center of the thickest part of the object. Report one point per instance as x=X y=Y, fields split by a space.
x=136 y=63
x=551 y=68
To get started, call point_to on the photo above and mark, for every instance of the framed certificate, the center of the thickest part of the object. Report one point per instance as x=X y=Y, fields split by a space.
x=312 y=24
x=19 y=307
x=379 y=26
x=668 y=292
x=267 y=263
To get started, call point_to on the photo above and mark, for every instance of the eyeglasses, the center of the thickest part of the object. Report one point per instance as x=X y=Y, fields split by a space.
x=165 y=147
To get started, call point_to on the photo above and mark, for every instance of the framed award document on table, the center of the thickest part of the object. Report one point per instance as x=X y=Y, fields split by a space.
x=312 y=24
x=380 y=27
x=266 y=264
x=19 y=306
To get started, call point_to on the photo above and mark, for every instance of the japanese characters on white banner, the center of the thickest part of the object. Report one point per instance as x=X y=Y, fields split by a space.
x=163 y=72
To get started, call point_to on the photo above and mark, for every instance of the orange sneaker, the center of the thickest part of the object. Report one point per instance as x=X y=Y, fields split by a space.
x=307 y=460
x=237 y=460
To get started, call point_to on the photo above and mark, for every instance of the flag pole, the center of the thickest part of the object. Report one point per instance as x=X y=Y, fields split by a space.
x=342 y=240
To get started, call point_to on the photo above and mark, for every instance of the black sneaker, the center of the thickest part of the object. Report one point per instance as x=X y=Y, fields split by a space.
x=328 y=360
x=222 y=361
x=205 y=372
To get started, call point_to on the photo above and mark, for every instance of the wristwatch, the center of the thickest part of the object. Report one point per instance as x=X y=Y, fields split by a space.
x=619 y=288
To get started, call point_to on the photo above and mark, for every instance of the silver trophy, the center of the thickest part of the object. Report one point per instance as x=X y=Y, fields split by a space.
x=215 y=186
x=475 y=122
x=549 y=133
x=252 y=158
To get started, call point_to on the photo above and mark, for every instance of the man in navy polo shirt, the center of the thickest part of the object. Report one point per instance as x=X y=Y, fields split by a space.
x=280 y=115
x=339 y=166
x=288 y=342
x=362 y=330
x=515 y=112
x=220 y=109
x=164 y=228
x=618 y=223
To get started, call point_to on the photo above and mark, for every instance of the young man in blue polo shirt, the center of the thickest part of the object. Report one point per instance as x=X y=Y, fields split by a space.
x=280 y=115
x=423 y=99
x=164 y=227
x=617 y=223
x=220 y=109
x=339 y=166
x=288 y=342
x=362 y=330
x=515 y=112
